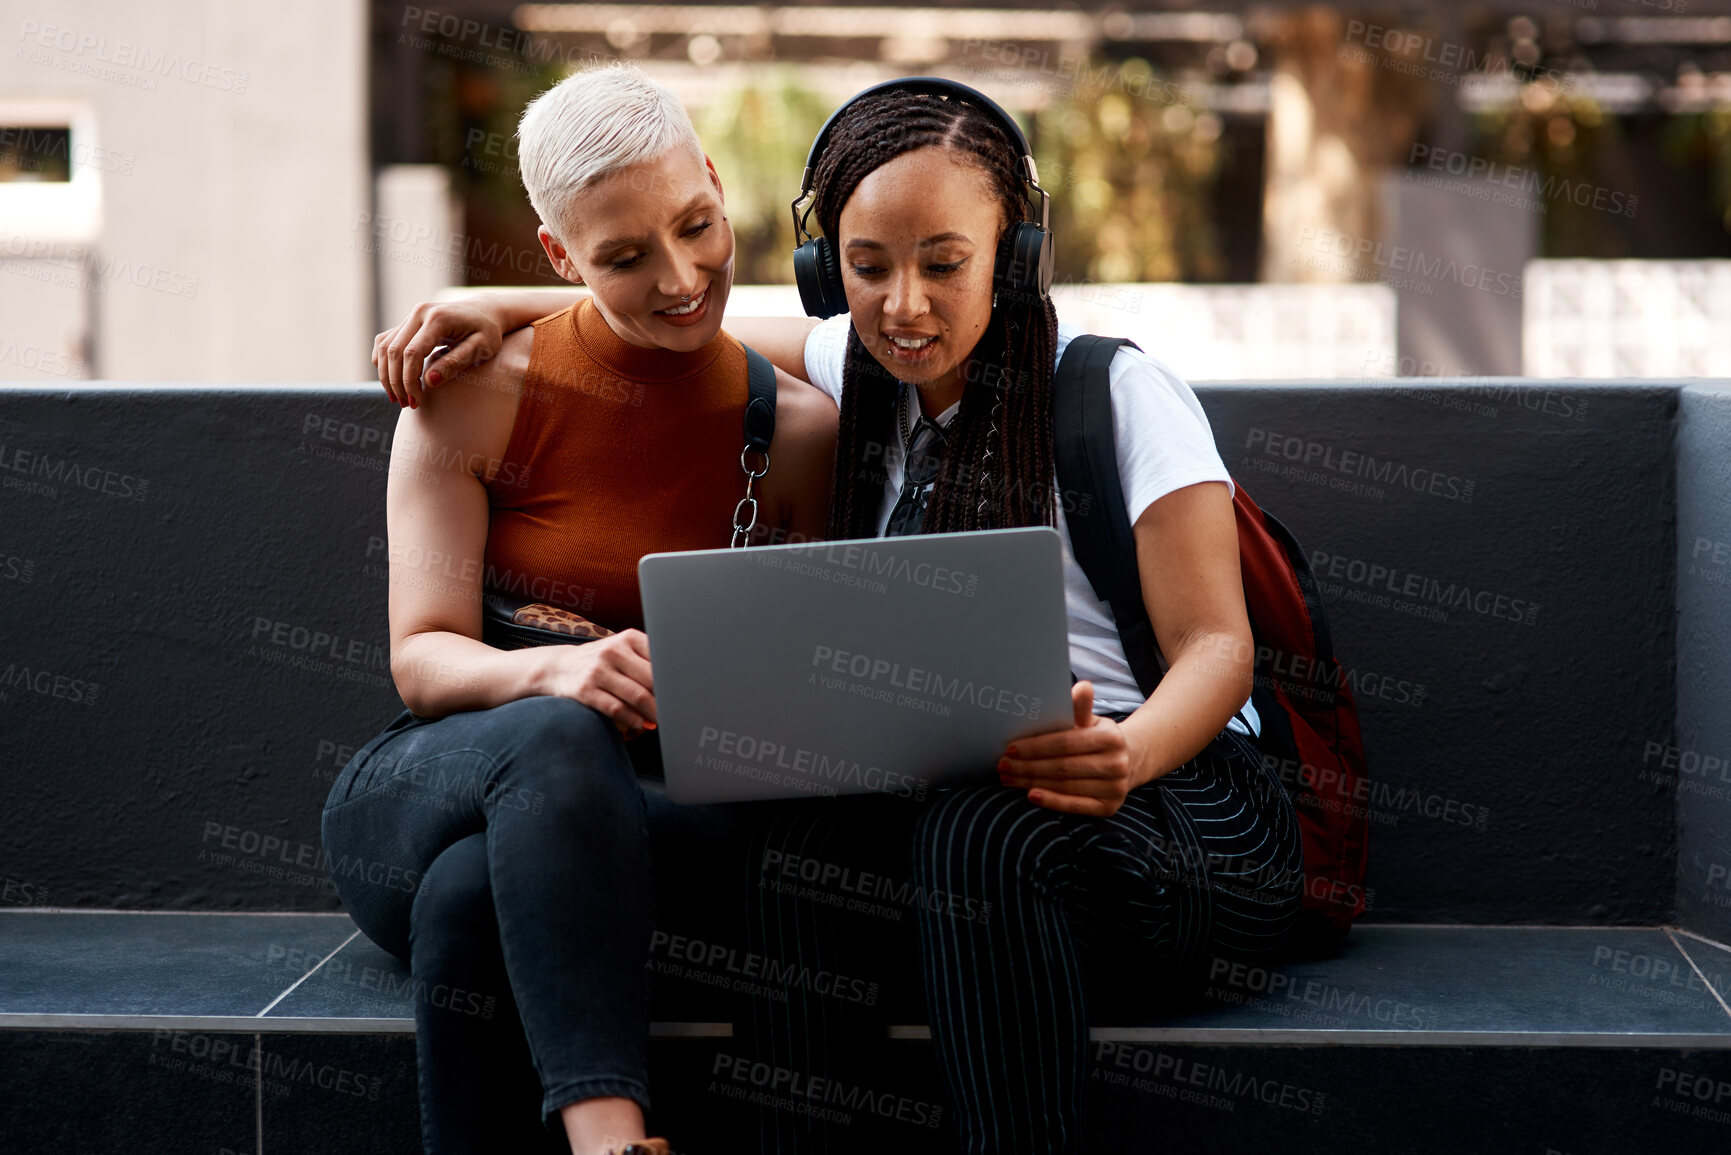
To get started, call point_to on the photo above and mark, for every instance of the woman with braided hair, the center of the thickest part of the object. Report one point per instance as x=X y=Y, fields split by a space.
x=1120 y=855
x=1117 y=856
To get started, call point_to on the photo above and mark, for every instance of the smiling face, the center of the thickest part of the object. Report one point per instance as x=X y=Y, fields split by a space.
x=646 y=238
x=918 y=239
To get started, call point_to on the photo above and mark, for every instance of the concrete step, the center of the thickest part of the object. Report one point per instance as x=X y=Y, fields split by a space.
x=1417 y=1038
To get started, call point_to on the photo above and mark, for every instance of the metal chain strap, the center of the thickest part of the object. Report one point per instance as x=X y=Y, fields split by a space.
x=742 y=530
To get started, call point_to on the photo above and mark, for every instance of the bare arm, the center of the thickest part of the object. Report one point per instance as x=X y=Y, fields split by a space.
x=437 y=515
x=781 y=339
x=474 y=328
x=1187 y=553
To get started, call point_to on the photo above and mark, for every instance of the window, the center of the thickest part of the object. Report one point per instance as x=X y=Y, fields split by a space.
x=35 y=153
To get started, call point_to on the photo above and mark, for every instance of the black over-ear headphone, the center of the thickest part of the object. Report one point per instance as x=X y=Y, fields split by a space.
x=1024 y=259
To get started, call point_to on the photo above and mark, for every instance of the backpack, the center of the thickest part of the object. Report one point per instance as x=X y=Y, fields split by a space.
x=1310 y=734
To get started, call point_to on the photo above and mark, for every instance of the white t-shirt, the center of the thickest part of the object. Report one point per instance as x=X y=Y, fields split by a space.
x=1146 y=396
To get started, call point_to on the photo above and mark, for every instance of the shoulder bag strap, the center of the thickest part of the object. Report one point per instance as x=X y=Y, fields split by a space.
x=759 y=432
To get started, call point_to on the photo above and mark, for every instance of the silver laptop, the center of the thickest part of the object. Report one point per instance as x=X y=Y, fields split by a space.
x=889 y=665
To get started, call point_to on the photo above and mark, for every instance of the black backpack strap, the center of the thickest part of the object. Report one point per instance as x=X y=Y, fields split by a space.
x=1101 y=537
x=760 y=408
x=759 y=432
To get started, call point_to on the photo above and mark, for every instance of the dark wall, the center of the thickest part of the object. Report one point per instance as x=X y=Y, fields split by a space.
x=1699 y=763
x=213 y=728
x=1504 y=741
x=1508 y=751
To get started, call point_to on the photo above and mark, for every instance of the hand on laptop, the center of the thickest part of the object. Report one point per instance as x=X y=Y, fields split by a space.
x=1084 y=770
x=610 y=675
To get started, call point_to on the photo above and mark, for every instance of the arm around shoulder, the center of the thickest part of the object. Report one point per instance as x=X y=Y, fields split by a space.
x=471 y=331
x=781 y=339
x=802 y=462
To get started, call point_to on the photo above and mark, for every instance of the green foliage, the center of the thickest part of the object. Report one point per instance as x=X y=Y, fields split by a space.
x=472 y=115
x=758 y=134
x=1562 y=139
x=473 y=121
x=1705 y=138
x=1131 y=179
x=1130 y=175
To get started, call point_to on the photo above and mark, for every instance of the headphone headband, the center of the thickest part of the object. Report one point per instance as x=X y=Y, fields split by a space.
x=1024 y=260
x=925 y=86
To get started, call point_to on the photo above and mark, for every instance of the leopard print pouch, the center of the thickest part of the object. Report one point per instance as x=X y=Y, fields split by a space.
x=545 y=617
x=509 y=623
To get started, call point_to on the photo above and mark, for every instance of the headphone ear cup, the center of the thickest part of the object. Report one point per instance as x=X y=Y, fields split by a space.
x=817 y=272
x=1045 y=259
x=1024 y=262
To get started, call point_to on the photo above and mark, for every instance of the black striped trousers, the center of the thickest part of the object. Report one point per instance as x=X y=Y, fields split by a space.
x=1019 y=913
x=1203 y=863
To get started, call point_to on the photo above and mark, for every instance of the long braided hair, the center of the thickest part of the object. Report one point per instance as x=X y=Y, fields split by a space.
x=997 y=464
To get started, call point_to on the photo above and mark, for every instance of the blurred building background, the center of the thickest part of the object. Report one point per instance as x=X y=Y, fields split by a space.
x=226 y=190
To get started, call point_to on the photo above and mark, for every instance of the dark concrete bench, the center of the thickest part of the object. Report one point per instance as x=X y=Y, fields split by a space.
x=1528 y=583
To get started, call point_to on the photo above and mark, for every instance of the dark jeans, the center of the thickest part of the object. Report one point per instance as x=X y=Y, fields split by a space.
x=509 y=858
x=504 y=855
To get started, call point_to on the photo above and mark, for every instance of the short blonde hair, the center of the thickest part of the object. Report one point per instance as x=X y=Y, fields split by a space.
x=593 y=123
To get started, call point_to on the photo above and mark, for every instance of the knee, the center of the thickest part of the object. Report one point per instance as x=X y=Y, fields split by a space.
x=559 y=754
x=557 y=724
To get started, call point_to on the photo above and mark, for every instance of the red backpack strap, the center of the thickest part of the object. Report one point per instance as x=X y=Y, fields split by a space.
x=1281 y=594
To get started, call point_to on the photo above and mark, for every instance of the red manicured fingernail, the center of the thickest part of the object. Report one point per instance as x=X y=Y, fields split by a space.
x=1010 y=750
x=649 y=725
x=435 y=377
x=1003 y=763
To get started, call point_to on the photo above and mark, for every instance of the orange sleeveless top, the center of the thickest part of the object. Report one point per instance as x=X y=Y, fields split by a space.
x=616 y=452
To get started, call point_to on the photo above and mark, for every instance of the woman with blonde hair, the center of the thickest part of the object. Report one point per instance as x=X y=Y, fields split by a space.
x=500 y=828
